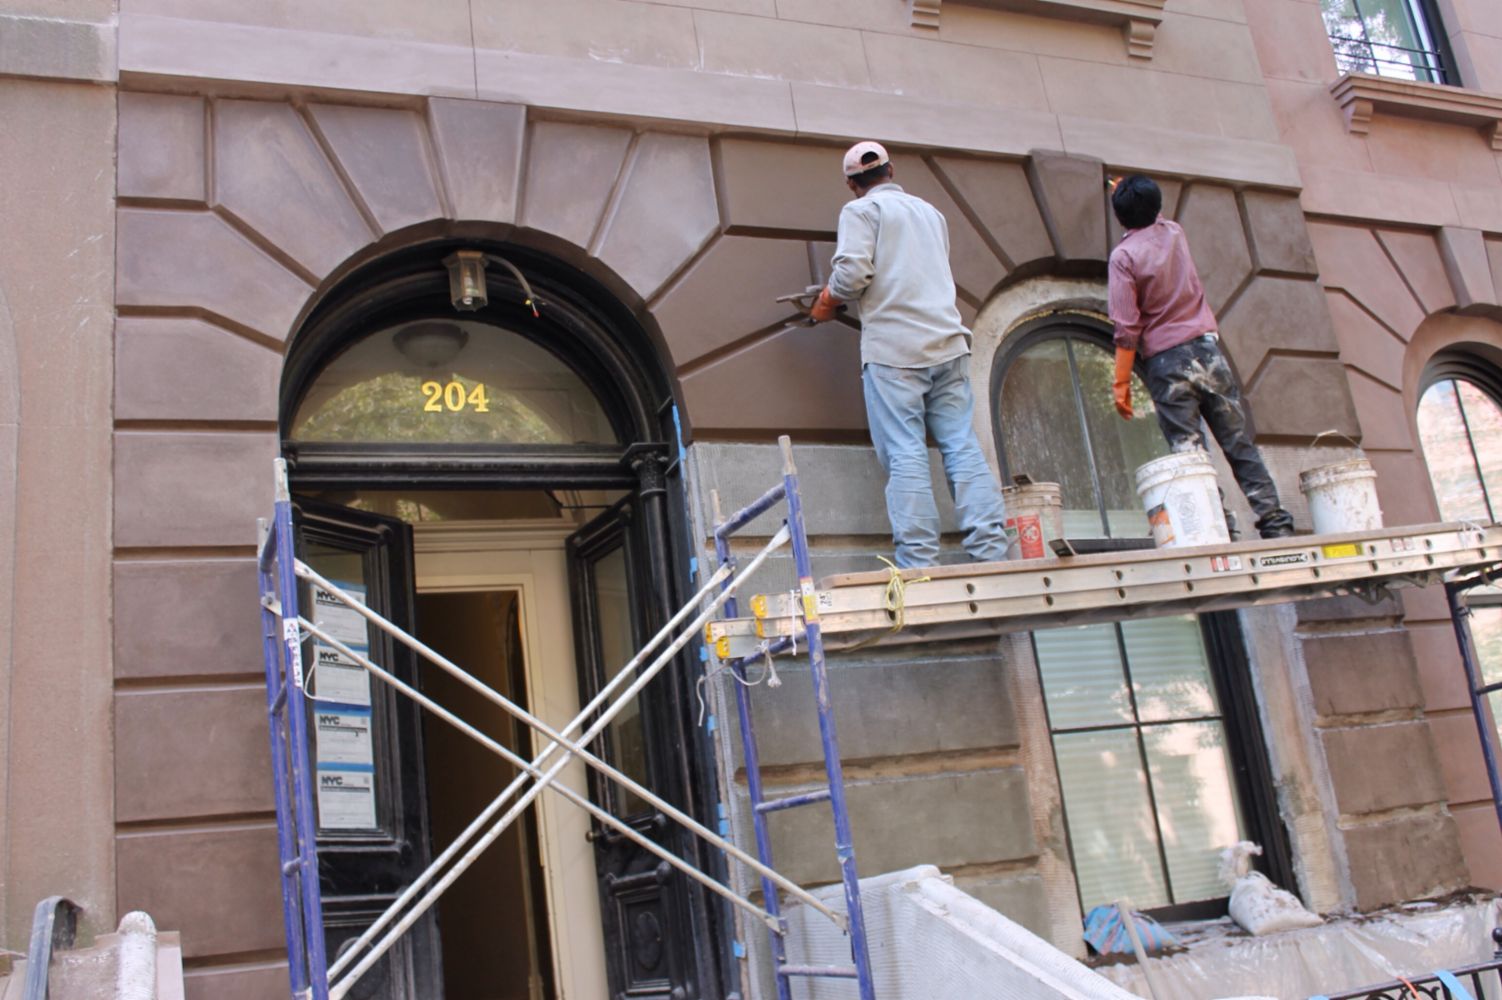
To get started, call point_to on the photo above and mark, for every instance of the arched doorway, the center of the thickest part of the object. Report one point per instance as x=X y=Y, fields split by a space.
x=495 y=474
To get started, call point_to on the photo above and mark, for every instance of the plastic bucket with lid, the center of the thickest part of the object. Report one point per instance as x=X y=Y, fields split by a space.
x=1342 y=496
x=1182 y=500
x=1035 y=516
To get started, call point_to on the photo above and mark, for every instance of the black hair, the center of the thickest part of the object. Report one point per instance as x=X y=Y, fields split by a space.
x=872 y=176
x=1136 y=202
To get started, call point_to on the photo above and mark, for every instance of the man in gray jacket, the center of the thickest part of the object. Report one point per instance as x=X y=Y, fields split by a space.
x=893 y=257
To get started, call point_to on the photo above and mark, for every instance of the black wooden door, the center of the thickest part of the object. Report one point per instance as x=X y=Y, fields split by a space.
x=367 y=746
x=650 y=940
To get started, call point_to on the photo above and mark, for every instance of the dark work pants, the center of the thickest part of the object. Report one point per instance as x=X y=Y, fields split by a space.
x=1191 y=381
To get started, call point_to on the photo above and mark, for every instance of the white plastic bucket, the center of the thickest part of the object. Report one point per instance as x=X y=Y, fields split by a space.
x=1182 y=500
x=1035 y=517
x=1342 y=496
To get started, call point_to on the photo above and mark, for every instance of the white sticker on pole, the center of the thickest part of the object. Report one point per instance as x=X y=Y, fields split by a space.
x=339 y=619
x=346 y=796
x=338 y=678
x=292 y=641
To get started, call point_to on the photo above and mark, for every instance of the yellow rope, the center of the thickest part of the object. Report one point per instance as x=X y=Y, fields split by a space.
x=894 y=601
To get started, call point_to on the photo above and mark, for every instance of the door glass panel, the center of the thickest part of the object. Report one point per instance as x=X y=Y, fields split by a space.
x=1196 y=808
x=1484 y=419
x=343 y=729
x=1447 y=452
x=1039 y=426
x=1120 y=445
x=454 y=381
x=1111 y=827
x=1170 y=673
x=627 y=738
x=1082 y=677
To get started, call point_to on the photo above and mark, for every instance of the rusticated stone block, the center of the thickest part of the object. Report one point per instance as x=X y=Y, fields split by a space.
x=730 y=292
x=1212 y=221
x=986 y=818
x=1350 y=258
x=211 y=883
x=571 y=170
x=479 y=148
x=1302 y=397
x=1068 y=194
x=889 y=709
x=186 y=618
x=799 y=379
x=191 y=489
x=782 y=186
x=1417 y=256
x=1023 y=899
x=1464 y=252
x=161 y=147
x=384 y=153
x=1280 y=238
x=1352 y=674
x=999 y=195
x=271 y=174
x=1409 y=775
x=191 y=753
x=1410 y=857
x=215 y=982
x=176 y=368
x=644 y=241
x=1276 y=313
x=161 y=262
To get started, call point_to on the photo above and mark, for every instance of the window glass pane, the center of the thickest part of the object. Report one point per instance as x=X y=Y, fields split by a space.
x=1385 y=37
x=1111 y=826
x=1041 y=433
x=1196 y=808
x=1447 y=451
x=1484 y=418
x=1170 y=672
x=450 y=381
x=1120 y=445
x=1486 y=632
x=627 y=739
x=1082 y=677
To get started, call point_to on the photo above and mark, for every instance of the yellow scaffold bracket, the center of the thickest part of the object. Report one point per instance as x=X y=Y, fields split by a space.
x=759 y=606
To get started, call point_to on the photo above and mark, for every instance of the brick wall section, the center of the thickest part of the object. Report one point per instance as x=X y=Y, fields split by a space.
x=1389 y=788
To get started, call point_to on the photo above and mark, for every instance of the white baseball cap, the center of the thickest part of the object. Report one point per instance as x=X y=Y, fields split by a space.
x=857 y=159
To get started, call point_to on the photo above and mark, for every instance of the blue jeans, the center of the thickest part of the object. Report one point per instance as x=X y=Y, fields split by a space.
x=902 y=406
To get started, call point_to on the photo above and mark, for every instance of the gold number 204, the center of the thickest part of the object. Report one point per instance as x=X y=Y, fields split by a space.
x=454 y=396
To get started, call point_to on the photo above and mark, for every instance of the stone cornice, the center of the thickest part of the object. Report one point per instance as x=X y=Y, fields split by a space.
x=1361 y=96
x=1138 y=19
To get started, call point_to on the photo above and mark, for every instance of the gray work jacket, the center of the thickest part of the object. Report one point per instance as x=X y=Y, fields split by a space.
x=893 y=256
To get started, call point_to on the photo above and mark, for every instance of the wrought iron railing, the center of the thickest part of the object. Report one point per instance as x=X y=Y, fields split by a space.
x=1482 y=981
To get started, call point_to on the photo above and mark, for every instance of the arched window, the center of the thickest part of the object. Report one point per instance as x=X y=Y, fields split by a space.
x=1149 y=721
x=1460 y=427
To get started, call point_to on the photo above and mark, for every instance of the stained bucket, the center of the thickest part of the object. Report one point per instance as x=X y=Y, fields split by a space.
x=1342 y=496
x=1182 y=500
x=1035 y=517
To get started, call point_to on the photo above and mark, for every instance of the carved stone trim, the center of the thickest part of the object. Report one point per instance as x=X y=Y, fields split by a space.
x=1139 y=19
x=1361 y=95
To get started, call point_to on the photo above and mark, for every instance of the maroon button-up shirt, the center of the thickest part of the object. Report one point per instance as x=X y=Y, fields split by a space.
x=1157 y=301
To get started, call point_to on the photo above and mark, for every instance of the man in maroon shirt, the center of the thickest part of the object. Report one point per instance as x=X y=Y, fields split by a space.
x=1158 y=308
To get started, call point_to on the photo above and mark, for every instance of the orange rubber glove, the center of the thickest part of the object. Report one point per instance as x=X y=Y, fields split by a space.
x=1121 y=388
x=824 y=306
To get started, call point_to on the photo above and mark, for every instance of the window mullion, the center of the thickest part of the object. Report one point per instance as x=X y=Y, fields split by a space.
x=1470 y=441
x=1079 y=406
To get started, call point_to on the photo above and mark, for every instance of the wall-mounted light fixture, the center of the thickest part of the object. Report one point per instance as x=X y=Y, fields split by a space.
x=467 y=279
x=430 y=343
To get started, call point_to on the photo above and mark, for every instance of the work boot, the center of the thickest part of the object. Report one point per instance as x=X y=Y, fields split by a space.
x=1278 y=524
